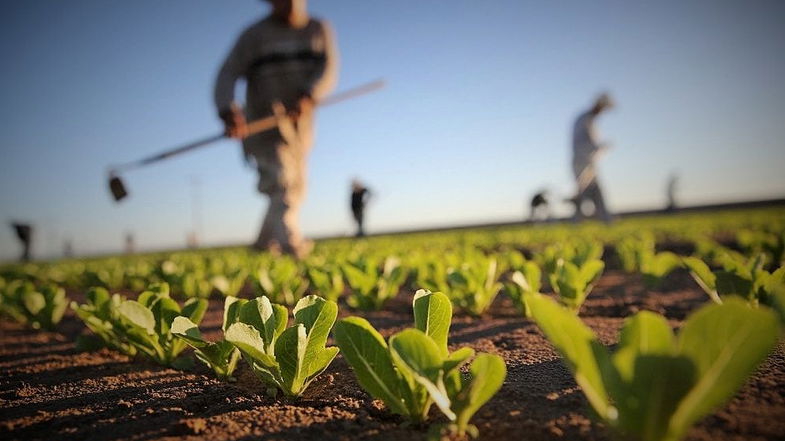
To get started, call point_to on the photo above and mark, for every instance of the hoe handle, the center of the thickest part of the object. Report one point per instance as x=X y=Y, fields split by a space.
x=173 y=152
x=269 y=122
x=254 y=127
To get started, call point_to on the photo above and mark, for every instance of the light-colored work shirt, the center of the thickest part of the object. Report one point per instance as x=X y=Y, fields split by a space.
x=584 y=141
x=279 y=63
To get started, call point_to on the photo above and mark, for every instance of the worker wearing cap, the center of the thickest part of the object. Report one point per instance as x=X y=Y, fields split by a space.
x=289 y=61
x=586 y=149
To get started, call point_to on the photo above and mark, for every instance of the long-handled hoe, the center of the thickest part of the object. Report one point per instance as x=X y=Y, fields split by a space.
x=118 y=189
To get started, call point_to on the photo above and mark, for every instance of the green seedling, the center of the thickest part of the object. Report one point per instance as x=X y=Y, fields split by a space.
x=110 y=275
x=578 y=253
x=41 y=308
x=195 y=284
x=631 y=250
x=525 y=280
x=229 y=284
x=772 y=245
x=655 y=385
x=219 y=356
x=285 y=359
x=474 y=285
x=327 y=281
x=573 y=283
x=281 y=281
x=738 y=277
x=100 y=315
x=638 y=254
x=416 y=370
x=512 y=260
x=370 y=290
x=656 y=266
x=147 y=323
x=778 y=302
x=432 y=275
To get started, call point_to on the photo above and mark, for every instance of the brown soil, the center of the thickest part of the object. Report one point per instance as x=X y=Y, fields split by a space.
x=48 y=390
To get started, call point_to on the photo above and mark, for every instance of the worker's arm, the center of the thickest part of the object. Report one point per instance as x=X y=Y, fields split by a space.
x=596 y=147
x=367 y=196
x=324 y=78
x=232 y=69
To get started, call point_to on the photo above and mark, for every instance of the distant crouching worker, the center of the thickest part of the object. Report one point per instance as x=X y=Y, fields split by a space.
x=288 y=60
x=24 y=233
x=360 y=196
x=586 y=150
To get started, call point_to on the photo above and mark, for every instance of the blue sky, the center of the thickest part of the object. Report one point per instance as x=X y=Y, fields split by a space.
x=475 y=117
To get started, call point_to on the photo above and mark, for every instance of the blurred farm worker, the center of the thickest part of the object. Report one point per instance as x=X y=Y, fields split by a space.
x=670 y=190
x=538 y=207
x=130 y=243
x=586 y=150
x=68 y=249
x=360 y=196
x=289 y=62
x=24 y=233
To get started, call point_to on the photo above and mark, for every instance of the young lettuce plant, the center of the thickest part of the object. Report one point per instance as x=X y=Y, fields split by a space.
x=39 y=307
x=281 y=280
x=778 y=302
x=474 y=285
x=219 y=356
x=627 y=250
x=639 y=255
x=703 y=276
x=573 y=283
x=147 y=323
x=527 y=279
x=369 y=289
x=229 y=284
x=655 y=385
x=759 y=241
x=109 y=274
x=578 y=253
x=195 y=284
x=100 y=315
x=656 y=266
x=512 y=260
x=739 y=277
x=432 y=275
x=416 y=369
x=631 y=249
x=285 y=359
x=327 y=281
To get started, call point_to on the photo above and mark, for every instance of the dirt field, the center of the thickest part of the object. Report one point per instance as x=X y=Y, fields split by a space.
x=50 y=391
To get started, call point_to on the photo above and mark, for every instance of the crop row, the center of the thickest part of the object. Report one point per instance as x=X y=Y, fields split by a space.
x=653 y=386
x=471 y=278
x=198 y=274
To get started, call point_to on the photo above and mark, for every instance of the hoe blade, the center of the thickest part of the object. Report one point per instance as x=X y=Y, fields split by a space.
x=117 y=188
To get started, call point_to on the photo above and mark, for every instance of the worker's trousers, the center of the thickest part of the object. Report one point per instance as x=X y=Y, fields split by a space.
x=593 y=193
x=358 y=212
x=281 y=158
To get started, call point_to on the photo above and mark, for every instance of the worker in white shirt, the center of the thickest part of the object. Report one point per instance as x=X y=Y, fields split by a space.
x=586 y=150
